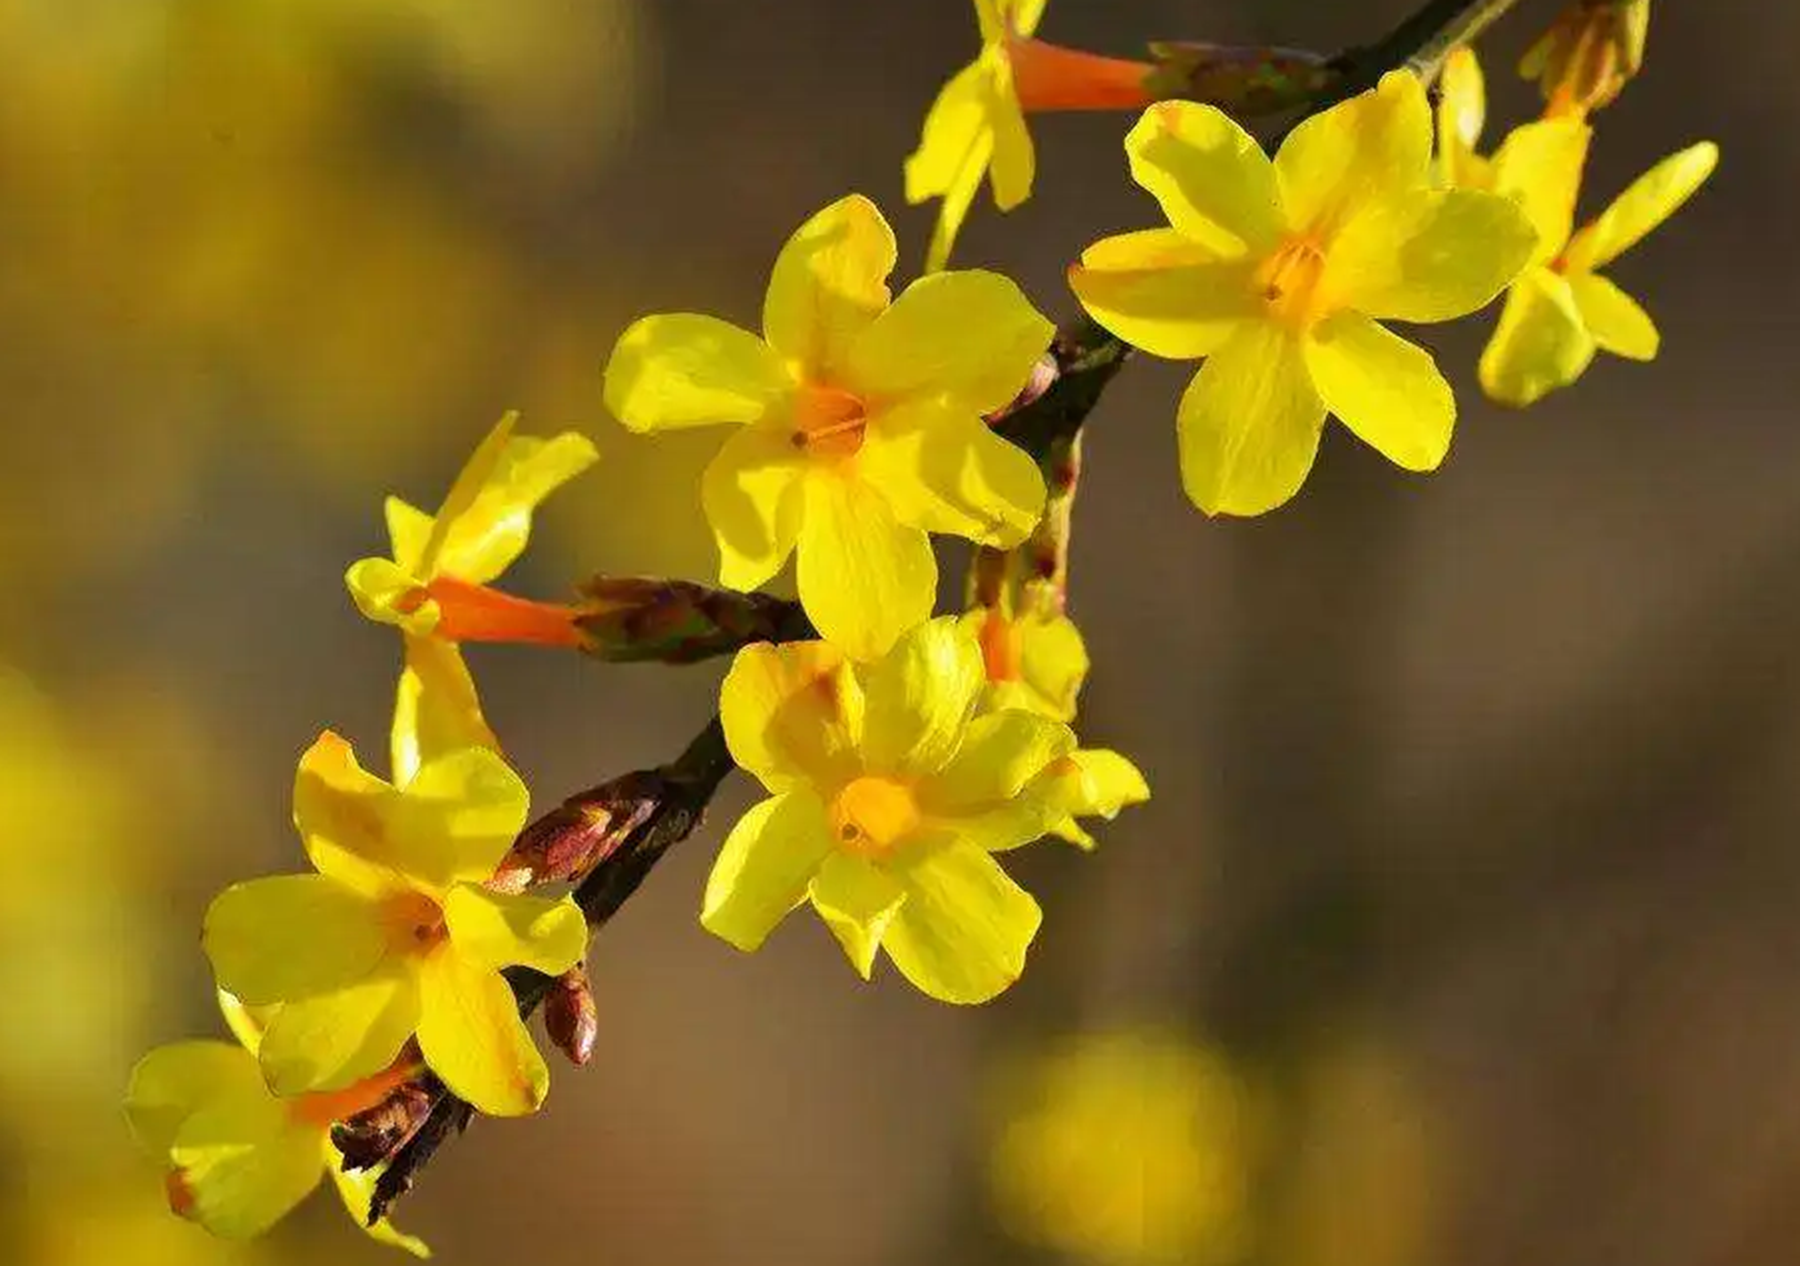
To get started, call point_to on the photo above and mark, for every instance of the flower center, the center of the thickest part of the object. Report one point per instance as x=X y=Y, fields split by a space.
x=414 y=923
x=873 y=814
x=1288 y=282
x=828 y=423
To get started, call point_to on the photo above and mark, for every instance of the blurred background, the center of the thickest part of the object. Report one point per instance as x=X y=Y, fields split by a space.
x=1460 y=929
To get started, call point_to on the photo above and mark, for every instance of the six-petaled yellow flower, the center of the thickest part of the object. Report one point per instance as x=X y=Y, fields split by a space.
x=1560 y=310
x=889 y=797
x=238 y=1157
x=861 y=422
x=976 y=127
x=395 y=934
x=435 y=587
x=1276 y=273
x=1036 y=662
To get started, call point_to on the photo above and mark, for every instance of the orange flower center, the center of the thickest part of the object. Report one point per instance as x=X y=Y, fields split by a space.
x=828 y=423
x=414 y=923
x=1288 y=282
x=873 y=814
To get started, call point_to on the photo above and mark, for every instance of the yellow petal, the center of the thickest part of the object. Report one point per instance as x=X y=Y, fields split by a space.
x=409 y=529
x=1461 y=111
x=291 y=936
x=341 y=811
x=1144 y=249
x=1175 y=309
x=464 y=489
x=953 y=128
x=1541 y=343
x=1249 y=423
x=1021 y=16
x=1210 y=176
x=471 y=1035
x=920 y=697
x=793 y=713
x=1053 y=662
x=969 y=337
x=764 y=868
x=1014 y=162
x=1539 y=167
x=1651 y=199
x=1429 y=255
x=857 y=902
x=496 y=929
x=388 y=594
x=751 y=491
x=941 y=468
x=1373 y=147
x=436 y=710
x=1001 y=754
x=829 y=282
x=962 y=933
x=864 y=577
x=241 y=1165
x=483 y=539
x=457 y=818
x=1614 y=318
x=1383 y=388
x=333 y=1040
x=172 y=1083
x=681 y=369
x=957 y=199
x=357 y=1190
x=1098 y=782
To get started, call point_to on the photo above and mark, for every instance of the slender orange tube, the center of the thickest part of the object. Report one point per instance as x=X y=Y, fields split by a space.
x=476 y=613
x=1051 y=77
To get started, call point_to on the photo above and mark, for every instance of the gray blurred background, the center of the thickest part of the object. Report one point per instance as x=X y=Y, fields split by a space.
x=1475 y=843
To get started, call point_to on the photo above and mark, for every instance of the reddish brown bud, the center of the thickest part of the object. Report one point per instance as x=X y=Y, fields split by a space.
x=570 y=840
x=570 y=1016
x=625 y=619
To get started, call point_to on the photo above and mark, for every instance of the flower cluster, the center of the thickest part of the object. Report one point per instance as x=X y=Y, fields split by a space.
x=348 y=982
x=904 y=752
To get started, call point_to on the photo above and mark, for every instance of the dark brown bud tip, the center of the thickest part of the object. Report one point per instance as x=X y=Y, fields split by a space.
x=371 y=1137
x=570 y=1016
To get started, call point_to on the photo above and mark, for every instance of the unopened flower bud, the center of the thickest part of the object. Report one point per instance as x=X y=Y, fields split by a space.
x=1589 y=54
x=570 y=1016
x=570 y=840
x=626 y=619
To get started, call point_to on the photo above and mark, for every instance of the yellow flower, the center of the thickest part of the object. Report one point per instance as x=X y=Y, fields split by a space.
x=395 y=935
x=1560 y=310
x=435 y=587
x=1275 y=272
x=238 y=1157
x=861 y=422
x=888 y=799
x=976 y=126
x=1036 y=662
x=1131 y=1148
